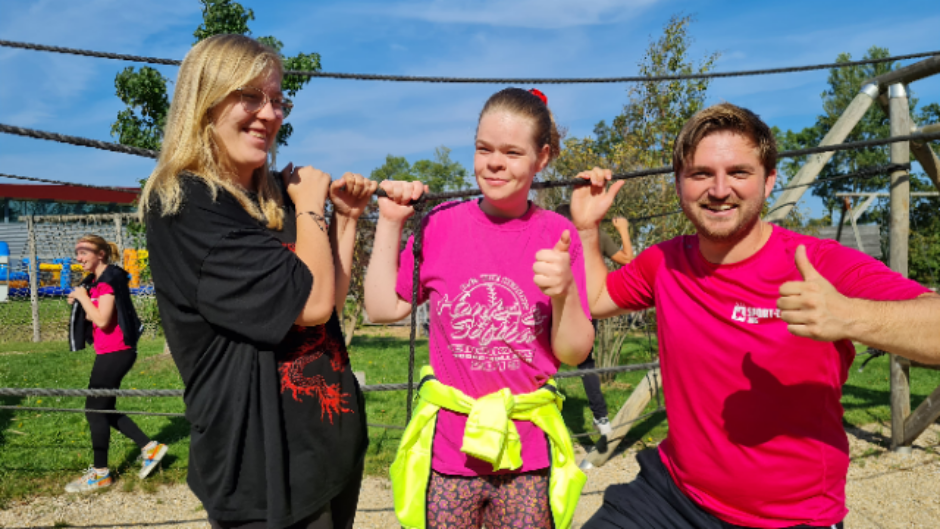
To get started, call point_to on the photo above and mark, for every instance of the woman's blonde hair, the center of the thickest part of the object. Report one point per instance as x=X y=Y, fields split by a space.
x=101 y=245
x=211 y=71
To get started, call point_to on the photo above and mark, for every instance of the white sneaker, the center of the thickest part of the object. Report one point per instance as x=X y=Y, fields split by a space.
x=150 y=459
x=603 y=426
x=90 y=481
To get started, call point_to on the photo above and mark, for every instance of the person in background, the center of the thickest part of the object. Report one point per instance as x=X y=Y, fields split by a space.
x=620 y=254
x=103 y=301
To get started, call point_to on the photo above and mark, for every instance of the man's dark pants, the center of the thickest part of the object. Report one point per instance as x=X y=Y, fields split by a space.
x=653 y=501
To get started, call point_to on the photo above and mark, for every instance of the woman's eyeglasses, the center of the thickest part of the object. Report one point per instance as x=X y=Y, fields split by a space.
x=254 y=99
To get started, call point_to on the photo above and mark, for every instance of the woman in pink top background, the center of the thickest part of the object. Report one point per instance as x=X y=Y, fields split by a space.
x=103 y=296
x=506 y=290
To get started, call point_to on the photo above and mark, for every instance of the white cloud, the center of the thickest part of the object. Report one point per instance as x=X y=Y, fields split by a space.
x=541 y=14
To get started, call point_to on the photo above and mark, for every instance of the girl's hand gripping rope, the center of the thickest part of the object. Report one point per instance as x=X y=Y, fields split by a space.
x=589 y=204
x=397 y=204
x=307 y=187
x=351 y=194
x=553 y=268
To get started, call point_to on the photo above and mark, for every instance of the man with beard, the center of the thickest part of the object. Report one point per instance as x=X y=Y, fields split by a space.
x=756 y=331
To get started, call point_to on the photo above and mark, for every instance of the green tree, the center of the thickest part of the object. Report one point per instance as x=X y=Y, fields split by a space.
x=640 y=137
x=144 y=90
x=843 y=85
x=440 y=174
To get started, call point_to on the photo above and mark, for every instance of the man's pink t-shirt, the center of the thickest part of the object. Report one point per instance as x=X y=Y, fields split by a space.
x=490 y=323
x=755 y=419
x=110 y=339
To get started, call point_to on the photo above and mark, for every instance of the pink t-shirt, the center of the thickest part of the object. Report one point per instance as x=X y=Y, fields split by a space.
x=110 y=339
x=755 y=419
x=490 y=323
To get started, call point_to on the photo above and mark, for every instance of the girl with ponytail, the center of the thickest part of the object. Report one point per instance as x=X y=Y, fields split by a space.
x=103 y=302
x=506 y=288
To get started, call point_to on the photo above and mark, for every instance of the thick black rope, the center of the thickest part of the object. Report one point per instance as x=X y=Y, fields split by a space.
x=867 y=172
x=448 y=195
x=419 y=217
x=82 y=410
x=61 y=392
x=63 y=183
x=619 y=424
x=148 y=413
x=77 y=140
x=486 y=80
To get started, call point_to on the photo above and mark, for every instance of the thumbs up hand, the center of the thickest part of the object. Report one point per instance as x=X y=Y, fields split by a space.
x=553 y=267
x=813 y=308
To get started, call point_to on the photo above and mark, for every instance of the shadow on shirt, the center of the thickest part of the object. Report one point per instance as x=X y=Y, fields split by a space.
x=771 y=409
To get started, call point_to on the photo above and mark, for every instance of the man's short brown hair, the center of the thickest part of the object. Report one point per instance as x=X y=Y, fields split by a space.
x=724 y=117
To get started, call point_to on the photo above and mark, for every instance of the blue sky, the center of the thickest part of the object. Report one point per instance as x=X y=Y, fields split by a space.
x=352 y=125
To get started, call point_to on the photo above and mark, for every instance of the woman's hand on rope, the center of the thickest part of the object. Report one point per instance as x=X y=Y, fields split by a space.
x=589 y=204
x=351 y=194
x=397 y=206
x=553 y=268
x=307 y=187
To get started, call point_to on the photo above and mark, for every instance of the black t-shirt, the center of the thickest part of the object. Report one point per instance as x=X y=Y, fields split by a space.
x=278 y=420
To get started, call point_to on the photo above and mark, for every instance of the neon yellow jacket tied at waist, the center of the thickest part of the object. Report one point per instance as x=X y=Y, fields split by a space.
x=490 y=435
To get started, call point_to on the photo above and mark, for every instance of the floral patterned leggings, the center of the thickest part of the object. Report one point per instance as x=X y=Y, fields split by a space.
x=502 y=501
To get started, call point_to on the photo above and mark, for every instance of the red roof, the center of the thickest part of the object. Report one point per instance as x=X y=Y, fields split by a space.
x=63 y=193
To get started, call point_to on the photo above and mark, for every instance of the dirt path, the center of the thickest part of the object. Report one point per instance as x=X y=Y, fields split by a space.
x=884 y=490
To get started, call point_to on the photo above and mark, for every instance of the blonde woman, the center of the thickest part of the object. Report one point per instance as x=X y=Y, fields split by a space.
x=248 y=271
x=102 y=303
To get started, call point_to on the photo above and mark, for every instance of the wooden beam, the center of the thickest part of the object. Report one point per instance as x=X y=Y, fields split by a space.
x=814 y=164
x=928 y=160
x=921 y=150
x=908 y=74
x=900 y=229
x=923 y=416
x=639 y=399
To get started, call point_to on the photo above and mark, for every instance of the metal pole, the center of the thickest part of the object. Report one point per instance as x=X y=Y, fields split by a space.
x=810 y=170
x=33 y=276
x=900 y=228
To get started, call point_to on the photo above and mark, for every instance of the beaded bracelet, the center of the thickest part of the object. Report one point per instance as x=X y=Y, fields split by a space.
x=317 y=218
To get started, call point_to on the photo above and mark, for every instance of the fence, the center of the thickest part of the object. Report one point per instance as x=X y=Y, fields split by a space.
x=45 y=272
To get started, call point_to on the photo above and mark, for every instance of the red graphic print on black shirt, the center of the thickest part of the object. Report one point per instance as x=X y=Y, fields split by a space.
x=303 y=346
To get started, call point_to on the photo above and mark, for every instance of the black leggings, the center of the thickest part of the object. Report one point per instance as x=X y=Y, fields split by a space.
x=107 y=373
x=592 y=385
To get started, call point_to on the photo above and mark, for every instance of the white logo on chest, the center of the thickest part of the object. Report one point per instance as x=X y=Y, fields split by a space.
x=745 y=314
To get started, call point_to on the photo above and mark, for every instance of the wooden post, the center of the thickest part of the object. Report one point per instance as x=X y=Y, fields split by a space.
x=33 y=276
x=118 y=240
x=810 y=170
x=923 y=416
x=900 y=233
x=641 y=396
x=846 y=206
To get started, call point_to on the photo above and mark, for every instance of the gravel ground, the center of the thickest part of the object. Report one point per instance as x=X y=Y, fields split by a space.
x=885 y=490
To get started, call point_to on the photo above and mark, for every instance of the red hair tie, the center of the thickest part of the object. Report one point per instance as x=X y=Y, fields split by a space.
x=538 y=93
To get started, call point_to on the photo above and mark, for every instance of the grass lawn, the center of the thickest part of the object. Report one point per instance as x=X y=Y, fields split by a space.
x=39 y=452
